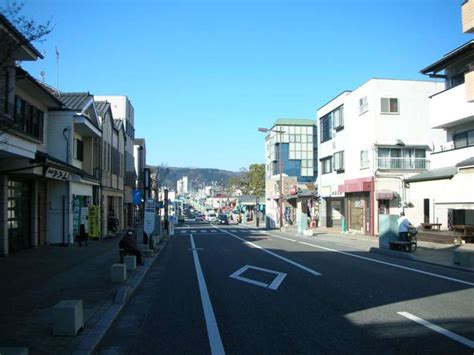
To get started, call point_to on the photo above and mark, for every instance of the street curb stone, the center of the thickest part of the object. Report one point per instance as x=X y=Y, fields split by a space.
x=396 y=254
x=92 y=337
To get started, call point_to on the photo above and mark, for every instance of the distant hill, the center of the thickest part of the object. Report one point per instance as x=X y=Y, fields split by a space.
x=196 y=176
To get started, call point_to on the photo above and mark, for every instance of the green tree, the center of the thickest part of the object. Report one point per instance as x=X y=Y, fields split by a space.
x=256 y=179
x=250 y=181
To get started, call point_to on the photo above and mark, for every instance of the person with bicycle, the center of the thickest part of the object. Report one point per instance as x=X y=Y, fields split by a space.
x=403 y=227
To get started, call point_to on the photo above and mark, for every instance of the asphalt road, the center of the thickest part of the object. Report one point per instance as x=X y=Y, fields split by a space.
x=243 y=291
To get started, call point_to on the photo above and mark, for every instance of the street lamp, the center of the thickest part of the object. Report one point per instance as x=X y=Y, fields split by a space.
x=280 y=169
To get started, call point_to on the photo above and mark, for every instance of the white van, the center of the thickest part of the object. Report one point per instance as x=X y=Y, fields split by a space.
x=211 y=217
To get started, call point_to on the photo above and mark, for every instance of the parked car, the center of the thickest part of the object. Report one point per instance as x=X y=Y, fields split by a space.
x=211 y=217
x=199 y=218
x=222 y=219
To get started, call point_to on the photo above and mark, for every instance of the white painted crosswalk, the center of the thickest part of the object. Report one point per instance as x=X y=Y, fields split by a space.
x=217 y=230
x=197 y=231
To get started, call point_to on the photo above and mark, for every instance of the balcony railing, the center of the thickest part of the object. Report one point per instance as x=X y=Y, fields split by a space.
x=403 y=163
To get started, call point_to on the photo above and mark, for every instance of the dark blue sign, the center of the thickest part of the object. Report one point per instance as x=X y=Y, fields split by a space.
x=136 y=197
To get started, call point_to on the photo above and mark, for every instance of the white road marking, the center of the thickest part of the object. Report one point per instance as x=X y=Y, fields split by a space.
x=203 y=231
x=184 y=232
x=193 y=231
x=291 y=240
x=213 y=334
x=278 y=280
x=383 y=262
x=311 y=271
x=438 y=329
x=273 y=285
x=213 y=231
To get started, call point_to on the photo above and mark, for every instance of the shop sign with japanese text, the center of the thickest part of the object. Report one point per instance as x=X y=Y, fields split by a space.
x=57 y=174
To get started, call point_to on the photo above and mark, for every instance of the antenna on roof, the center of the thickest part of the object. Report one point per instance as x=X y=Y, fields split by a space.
x=57 y=70
x=42 y=74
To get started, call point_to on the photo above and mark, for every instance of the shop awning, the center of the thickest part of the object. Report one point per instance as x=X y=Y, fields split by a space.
x=385 y=195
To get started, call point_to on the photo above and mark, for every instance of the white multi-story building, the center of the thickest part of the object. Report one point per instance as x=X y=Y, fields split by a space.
x=74 y=136
x=445 y=194
x=123 y=109
x=112 y=169
x=370 y=139
x=182 y=186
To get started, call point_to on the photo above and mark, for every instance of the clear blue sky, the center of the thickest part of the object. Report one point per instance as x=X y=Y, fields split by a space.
x=203 y=75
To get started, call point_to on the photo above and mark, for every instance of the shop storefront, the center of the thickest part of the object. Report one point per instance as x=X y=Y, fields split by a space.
x=20 y=194
x=358 y=205
x=335 y=211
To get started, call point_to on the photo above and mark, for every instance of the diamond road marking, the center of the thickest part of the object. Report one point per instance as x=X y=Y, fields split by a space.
x=272 y=286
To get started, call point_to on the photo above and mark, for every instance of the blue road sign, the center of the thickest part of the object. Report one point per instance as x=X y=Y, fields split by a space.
x=136 y=197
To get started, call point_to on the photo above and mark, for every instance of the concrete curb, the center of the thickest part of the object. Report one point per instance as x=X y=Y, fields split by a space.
x=401 y=255
x=92 y=337
x=396 y=254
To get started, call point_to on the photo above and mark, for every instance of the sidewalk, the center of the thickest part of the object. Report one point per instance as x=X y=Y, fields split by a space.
x=35 y=280
x=427 y=252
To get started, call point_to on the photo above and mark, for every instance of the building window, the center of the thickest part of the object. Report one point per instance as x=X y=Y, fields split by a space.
x=326 y=165
x=338 y=161
x=78 y=150
x=6 y=108
x=338 y=117
x=402 y=158
x=457 y=79
x=463 y=139
x=364 y=159
x=389 y=105
x=363 y=105
x=326 y=127
x=29 y=119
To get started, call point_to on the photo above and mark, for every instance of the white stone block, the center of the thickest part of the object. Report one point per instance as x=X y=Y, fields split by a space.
x=464 y=256
x=118 y=273
x=68 y=317
x=130 y=262
x=308 y=232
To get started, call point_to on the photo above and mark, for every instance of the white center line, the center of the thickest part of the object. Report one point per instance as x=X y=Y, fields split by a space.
x=383 y=262
x=213 y=334
x=438 y=329
x=311 y=271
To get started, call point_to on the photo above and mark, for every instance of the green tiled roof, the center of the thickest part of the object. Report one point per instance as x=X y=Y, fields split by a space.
x=294 y=122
